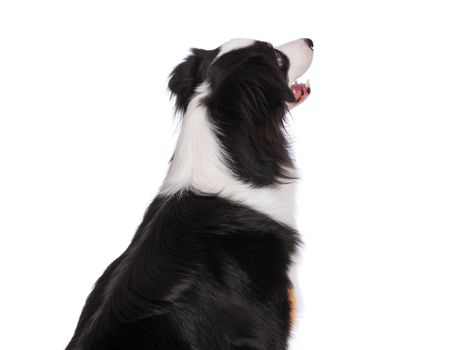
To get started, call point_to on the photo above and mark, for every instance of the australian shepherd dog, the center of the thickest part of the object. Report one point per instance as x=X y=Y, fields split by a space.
x=208 y=268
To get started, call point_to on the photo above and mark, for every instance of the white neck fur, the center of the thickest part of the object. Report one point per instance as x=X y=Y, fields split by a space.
x=199 y=165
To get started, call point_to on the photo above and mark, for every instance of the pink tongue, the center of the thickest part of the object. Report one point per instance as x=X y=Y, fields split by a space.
x=300 y=92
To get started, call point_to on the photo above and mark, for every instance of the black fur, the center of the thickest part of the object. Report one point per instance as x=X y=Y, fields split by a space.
x=200 y=273
x=188 y=75
x=203 y=272
x=247 y=104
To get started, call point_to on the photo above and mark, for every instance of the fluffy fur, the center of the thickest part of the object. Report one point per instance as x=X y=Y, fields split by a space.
x=208 y=266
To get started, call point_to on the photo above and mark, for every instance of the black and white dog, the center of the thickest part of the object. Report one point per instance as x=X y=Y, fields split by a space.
x=208 y=267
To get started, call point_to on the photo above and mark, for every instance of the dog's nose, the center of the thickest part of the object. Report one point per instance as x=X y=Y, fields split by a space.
x=309 y=42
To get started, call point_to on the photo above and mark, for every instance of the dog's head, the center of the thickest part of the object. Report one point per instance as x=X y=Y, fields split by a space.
x=265 y=72
x=247 y=86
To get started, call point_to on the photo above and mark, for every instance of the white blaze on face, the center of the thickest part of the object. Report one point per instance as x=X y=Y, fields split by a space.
x=234 y=44
x=300 y=56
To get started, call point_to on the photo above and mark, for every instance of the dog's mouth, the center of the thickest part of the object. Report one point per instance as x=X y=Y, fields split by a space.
x=300 y=55
x=300 y=92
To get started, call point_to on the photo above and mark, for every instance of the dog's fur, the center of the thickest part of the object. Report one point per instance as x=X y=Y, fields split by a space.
x=208 y=266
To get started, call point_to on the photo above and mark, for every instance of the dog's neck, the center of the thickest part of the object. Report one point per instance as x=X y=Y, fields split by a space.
x=199 y=165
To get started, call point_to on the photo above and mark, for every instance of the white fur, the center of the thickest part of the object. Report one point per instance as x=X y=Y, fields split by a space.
x=199 y=165
x=234 y=44
x=300 y=56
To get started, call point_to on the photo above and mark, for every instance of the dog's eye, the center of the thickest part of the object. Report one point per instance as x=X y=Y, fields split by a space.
x=280 y=60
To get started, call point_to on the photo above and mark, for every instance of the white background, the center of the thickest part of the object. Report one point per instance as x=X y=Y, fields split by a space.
x=86 y=132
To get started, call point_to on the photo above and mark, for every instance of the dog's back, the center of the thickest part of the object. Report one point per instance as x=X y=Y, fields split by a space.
x=197 y=265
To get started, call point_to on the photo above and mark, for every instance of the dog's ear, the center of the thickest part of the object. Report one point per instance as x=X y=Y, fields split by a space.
x=188 y=75
x=182 y=81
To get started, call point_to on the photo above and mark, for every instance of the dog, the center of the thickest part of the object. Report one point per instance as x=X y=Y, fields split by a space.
x=208 y=266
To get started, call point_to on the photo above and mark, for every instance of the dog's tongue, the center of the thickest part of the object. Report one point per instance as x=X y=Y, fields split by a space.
x=300 y=92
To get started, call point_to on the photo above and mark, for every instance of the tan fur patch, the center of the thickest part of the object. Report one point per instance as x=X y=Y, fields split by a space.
x=292 y=302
